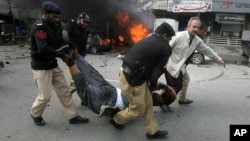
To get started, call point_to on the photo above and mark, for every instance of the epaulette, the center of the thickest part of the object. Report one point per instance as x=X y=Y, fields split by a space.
x=39 y=24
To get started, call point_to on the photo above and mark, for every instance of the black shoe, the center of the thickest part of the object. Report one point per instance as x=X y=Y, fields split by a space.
x=187 y=101
x=117 y=126
x=158 y=135
x=78 y=119
x=108 y=111
x=38 y=121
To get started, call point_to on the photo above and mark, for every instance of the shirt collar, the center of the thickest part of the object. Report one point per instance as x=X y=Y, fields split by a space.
x=187 y=35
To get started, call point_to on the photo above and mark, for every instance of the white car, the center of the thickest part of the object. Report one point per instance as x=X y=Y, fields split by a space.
x=197 y=58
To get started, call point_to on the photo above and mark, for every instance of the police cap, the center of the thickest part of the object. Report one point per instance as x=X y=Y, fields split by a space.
x=84 y=16
x=165 y=28
x=51 y=7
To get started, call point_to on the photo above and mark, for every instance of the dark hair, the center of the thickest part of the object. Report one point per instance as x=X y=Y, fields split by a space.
x=165 y=28
x=203 y=26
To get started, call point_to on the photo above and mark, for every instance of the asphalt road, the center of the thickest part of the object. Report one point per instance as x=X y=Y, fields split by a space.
x=221 y=98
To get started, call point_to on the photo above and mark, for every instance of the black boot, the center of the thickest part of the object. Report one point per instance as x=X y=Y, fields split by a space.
x=38 y=120
x=78 y=119
x=117 y=126
x=158 y=135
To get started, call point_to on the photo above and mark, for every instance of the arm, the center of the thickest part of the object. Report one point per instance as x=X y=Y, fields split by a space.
x=68 y=33
x=157 y=71
x=206 y=50
x=43 y=47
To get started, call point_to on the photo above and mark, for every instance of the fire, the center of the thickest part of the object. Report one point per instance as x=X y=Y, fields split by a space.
x=121 y=38
x=123 y=19
x=105 y=42
x=136 y=31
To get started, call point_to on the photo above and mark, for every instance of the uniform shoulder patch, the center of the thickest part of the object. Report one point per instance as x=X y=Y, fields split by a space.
x=41 y=35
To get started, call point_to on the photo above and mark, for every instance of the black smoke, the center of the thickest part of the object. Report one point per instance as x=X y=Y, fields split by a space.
x=103 y=14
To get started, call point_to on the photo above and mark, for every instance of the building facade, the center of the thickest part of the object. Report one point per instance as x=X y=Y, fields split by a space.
x=225 y=17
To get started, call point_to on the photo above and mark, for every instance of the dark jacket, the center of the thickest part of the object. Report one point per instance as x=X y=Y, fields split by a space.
x=45 y=39
x=77 y=37
x=92 y=88
x=147 y=58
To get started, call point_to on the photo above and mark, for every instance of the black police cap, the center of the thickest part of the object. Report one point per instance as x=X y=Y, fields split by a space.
x=84 y=16
x=51 y=7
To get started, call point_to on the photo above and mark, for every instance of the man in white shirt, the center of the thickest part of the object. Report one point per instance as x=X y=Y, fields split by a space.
x=183 y=45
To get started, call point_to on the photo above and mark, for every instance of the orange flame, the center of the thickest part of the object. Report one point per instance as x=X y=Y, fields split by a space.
x=121 y=38
x=105 y=42
x=135 y=31
x=123 y=19
x=138 y=32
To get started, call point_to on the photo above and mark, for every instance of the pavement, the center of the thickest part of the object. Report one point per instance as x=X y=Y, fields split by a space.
x=230 y=54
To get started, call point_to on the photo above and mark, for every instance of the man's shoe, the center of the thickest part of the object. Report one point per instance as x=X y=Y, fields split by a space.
x=38 y=120
x=108 y=111
x=158 y=135
x=78 y=119
x=117 y=126
x=187 y=101
x=166 y=108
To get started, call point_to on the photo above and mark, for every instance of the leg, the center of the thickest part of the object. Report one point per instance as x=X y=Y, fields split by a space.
x=72 y=87
x=43 y=81
x=140 y=104
x=62 y=91
x=63 y=94
x=148 y=116
x=183 y=92
x=175 y=83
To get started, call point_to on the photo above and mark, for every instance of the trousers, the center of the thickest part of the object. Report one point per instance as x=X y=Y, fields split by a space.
x=183 y=92
x=72 y=86
x=140 y=105
x=180 y=84
x=44 y=81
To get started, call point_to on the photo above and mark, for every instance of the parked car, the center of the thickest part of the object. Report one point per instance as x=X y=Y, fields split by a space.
x=197 y=58
x=246 y=48
x=98 y=41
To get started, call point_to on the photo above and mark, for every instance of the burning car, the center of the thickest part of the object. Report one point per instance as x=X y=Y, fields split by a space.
x=98 y=41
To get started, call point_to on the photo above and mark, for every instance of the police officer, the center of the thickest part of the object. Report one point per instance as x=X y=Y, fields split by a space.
x=144 y=64
x=46 y=37
x=75 y=33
